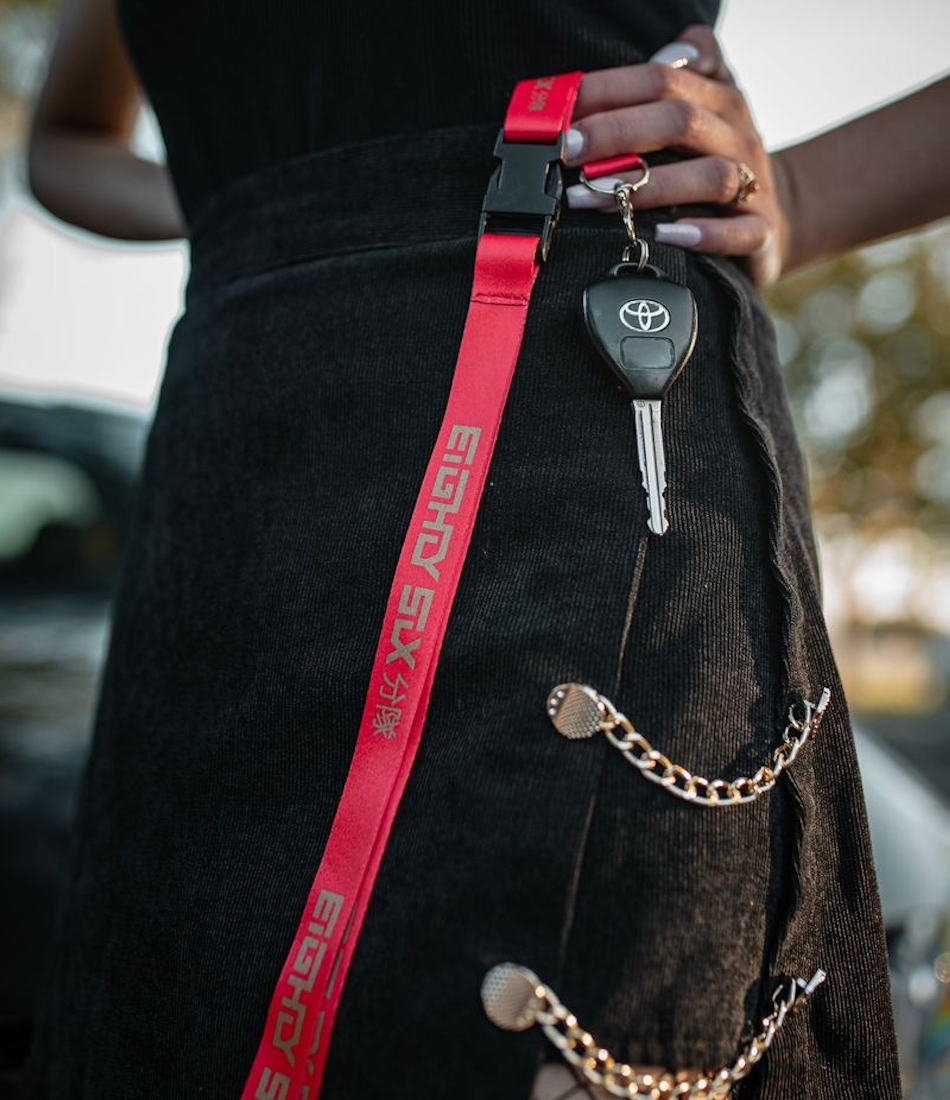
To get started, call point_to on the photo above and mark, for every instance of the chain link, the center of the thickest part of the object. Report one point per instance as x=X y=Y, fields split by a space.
x=579 y=1048
x=654 y=765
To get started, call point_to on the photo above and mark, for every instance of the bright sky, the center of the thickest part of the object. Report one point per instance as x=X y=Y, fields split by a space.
x=90 y=319
x=806 y=64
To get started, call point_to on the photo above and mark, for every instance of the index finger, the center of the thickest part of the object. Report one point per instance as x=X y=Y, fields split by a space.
x=632 y=85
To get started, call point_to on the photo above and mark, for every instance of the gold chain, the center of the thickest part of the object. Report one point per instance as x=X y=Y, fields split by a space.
x=515 y=998
x=579 y=711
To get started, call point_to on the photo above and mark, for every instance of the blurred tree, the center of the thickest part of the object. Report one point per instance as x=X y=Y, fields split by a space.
x=866 y=344
x=865 y=340
x=25 y=29
x=24 y=36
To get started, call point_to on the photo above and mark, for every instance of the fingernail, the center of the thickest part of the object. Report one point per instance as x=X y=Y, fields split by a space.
x=575 y=143
x=685 y=236
x=677 y=54
x=582 y=198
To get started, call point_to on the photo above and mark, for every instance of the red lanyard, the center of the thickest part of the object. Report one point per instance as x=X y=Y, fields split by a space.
x=518 y=218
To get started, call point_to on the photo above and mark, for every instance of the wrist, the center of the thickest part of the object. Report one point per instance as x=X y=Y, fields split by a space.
x=793 y=248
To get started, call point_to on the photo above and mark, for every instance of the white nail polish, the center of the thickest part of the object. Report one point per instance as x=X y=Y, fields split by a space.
x=686 y=236
x=582 y=198
x=677 y=54
x=575 y=143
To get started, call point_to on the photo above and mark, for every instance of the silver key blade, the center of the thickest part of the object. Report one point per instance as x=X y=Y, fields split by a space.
x=652 y=462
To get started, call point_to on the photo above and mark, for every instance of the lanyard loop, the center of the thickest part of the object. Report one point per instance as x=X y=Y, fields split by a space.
x=517 y=225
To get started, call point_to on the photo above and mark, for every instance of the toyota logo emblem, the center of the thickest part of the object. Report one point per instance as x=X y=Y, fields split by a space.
x=644 y=315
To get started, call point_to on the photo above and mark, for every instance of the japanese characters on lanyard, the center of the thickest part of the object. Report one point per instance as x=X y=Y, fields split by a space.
x=519 y=215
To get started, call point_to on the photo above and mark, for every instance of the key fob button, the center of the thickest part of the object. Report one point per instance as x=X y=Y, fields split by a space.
x=647 y=353
x=646 y=361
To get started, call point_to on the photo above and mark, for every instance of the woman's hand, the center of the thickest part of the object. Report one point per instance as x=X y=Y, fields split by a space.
x=685 y=100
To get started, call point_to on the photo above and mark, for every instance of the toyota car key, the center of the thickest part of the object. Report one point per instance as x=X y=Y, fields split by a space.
x=644 y=325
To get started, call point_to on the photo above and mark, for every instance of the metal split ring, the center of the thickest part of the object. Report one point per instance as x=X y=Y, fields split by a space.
x=637 y=162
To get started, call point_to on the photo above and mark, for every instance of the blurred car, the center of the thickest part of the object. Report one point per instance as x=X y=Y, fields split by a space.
x=67 y=473
x=910 y=833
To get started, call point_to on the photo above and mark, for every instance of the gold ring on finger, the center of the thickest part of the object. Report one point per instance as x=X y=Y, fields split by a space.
x=748 y=183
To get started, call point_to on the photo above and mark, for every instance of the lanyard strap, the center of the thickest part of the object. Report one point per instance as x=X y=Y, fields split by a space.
x=518 y=218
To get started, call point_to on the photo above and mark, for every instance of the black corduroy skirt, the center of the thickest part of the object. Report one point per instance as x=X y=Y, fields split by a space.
x=303 y=390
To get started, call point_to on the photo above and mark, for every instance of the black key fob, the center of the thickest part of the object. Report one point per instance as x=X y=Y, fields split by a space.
x=644 y=325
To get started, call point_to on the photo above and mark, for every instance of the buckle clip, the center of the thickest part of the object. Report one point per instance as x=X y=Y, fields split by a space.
x=525 y=188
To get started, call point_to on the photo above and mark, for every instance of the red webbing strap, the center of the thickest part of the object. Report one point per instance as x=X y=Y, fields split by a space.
x=537 y=104
x=292 y=1053
x=610 y=166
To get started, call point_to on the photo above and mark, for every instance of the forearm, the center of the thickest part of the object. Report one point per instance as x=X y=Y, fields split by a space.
x=883 y=173
x=96 y=182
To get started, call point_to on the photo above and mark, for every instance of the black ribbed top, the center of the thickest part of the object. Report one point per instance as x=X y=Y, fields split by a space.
x=241 y=84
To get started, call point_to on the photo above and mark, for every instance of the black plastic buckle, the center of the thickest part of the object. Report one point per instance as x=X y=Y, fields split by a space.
x=524 y=192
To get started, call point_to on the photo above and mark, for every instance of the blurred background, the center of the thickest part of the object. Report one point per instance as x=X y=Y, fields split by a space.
x=866 y=345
